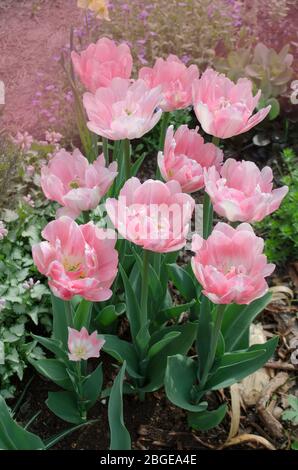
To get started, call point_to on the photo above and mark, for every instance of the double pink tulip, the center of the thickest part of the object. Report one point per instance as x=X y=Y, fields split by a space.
x=77 y=259
x=124 y=110
x=223 y=108
x=81 y=345
x=154 y=215
x=175 y=79
x=230 y=264
x=77 y=185
x=186 y=156
x=101 y=62
x=241 y=192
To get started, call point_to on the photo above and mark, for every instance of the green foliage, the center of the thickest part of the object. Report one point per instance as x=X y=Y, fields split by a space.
x=80 y=390
x=237 y=319
x=154 y=339
x=294 y=445
x=64 y=405
x=206 y=419
x=120 y=438
x=219 y=364
x=24 y=307
x=180 y=379
x=14 y=437
x=291 y=414
x=9 y=162
x=281 y=228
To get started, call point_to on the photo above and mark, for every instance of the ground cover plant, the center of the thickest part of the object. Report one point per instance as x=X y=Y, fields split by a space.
x=138 y=254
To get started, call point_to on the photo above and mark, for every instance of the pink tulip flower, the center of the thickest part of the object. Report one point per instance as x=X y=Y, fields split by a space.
x=101 y=62
x=230 y=264
x=176 y=80
x=124 y=110
x=241 y=192
x=77 y=259
x=223 y=108
x=81 y=345
x=186 y=156
x=154 y=215
x=77 y=185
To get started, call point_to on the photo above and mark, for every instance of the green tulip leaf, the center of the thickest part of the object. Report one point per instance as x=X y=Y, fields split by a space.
x=180 y=378
x=120 y=438
x=13 y=436
x=206 y=420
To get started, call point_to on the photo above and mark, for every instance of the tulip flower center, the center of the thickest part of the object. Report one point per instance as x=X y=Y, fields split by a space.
x=231 y=271
x=74 y=184
x=80 y=351
x=223 y=103
x=72 y=266
x=160 y=225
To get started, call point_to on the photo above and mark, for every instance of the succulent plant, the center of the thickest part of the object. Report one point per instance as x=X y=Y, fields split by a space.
x=270 y=70
x=234 y=64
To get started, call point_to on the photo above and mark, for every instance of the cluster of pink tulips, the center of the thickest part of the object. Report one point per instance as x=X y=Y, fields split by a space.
x=95 y=278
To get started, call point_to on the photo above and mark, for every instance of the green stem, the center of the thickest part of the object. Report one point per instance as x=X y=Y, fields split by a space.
x=207 y=206
x=115 y=155
x=213 y=346
x=156 y=262
x=164 y=124
x=207 y=216
x=68 y=312
x=126 y=148
x=163 y=130
x=81 y=404
x=145 y=285
x=105 y=145
x=144 y=314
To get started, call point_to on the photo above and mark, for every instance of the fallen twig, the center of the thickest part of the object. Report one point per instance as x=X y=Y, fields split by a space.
x=235 y=412
x=269 y=420
x=205 y=444
x=280 y=365
x=249 y=437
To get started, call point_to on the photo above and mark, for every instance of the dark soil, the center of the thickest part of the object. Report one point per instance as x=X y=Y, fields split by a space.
x=153 y=424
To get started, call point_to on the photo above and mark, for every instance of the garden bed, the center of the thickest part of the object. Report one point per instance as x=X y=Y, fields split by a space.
x=43 y=96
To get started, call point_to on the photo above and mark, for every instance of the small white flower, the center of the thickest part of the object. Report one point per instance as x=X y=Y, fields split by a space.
x=30 y=283
x=3 y=230
x=2 y=304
